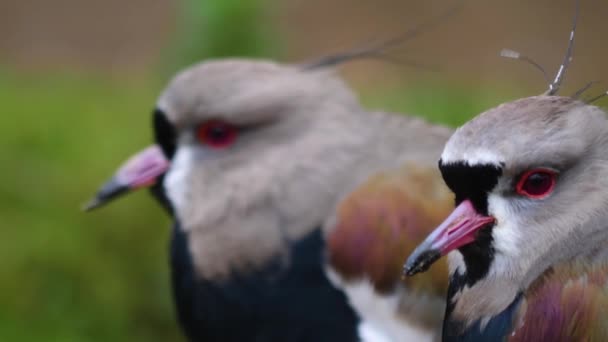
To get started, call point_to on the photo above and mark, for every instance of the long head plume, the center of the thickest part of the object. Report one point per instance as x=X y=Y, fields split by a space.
x=582 y=90
x=379 y=51
x=554 y=85
x=595 y=98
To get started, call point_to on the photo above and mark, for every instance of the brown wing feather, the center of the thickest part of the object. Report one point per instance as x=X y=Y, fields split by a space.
x=381 y=222
x=568 y=303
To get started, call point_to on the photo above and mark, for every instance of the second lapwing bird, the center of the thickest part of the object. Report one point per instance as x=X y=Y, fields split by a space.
x=274 y=175
x=527 y=242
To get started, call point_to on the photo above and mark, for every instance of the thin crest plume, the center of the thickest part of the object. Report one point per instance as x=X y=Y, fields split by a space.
x=595 y=98
x=583 y=89
x=379 y=50
x=507 y=53
x=554 y=85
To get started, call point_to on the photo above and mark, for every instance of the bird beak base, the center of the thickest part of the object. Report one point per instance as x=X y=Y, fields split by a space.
x=457 y=230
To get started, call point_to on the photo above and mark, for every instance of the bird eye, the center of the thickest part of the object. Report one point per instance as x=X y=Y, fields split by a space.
x=216 y=134
x=536 y=183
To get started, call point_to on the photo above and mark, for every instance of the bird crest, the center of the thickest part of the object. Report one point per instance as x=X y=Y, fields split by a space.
x=379 y=50
x=554 y=84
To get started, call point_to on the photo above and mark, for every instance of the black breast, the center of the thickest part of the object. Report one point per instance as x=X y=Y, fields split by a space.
x=276 y=303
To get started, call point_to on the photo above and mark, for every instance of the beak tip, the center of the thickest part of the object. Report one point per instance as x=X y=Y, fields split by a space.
x=109 y=191
x=411 y=269
x=408 y=272
x=420 y=262
x=91 y=205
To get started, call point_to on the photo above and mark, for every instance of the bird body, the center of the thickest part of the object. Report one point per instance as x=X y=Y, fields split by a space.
x=374 y=229
x=526 y=242
x=260 y=155
x=271 y=303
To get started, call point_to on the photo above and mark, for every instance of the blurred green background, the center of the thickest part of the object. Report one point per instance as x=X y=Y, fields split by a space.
x=79 y=78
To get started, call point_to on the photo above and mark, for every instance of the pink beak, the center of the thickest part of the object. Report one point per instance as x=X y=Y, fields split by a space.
x=141 y=170
x=456 y=231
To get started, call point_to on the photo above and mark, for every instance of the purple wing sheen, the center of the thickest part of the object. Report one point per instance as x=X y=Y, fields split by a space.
x=381 y=222
x=569 y=303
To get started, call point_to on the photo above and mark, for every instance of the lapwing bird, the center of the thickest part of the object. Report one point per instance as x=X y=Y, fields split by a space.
x=274 y=175
x=527 y=242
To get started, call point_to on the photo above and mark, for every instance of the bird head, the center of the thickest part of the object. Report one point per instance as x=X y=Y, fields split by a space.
x=231 y=138
x=530 y=188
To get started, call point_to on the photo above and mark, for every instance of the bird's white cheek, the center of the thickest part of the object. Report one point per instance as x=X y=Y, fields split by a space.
x=176 y=181
x=506 y=233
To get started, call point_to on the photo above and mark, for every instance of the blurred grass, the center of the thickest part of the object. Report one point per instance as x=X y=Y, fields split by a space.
x=444 y=105
x=224 y=28
x=66 y=275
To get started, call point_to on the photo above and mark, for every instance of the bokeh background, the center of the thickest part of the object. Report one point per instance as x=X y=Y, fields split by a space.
x=78 y=79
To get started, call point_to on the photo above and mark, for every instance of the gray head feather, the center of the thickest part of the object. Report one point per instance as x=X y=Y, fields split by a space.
x=304 y=141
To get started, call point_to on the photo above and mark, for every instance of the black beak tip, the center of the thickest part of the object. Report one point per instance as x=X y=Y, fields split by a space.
x=409 y=270
x=420 y=262
x=109 y=191
x=92 y=204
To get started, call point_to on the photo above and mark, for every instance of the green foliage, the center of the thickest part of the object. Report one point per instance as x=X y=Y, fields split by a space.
x=446 y=105
x=67 y=275
x=225 y=28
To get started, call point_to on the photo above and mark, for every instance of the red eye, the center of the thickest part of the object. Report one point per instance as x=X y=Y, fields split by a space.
x=537 y=183
x=216 y=134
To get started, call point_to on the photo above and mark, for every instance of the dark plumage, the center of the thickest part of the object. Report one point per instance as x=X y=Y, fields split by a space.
x=274 y=303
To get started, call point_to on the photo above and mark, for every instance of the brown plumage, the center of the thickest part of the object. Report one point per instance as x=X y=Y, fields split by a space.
x=380 y=223
x=568 y=303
